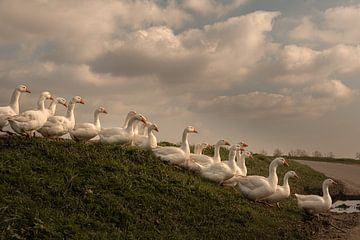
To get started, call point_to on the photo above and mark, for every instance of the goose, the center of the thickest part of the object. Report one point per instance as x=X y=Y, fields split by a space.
x=116 y=130
x=314 y=204
x=198 y=148
x=140 y=129
x=221 y=171
x=52 y=107
x=241 y=167
x=205 y=160
x=176 y=155
x=13 y=108
x=147 y=141
x=87 y=131
x=122 y=136
x=56 y=126
x=282 y=192
x=258 y=187
x=31 y=120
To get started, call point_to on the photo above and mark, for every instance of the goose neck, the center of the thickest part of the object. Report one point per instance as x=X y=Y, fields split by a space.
x=326 y=194
x=217 y=152
x=70 y=111
x=97 y=120
x=184 y=143
x=131 y=125
x=52 y=107
x=14 y=101
x=273 y=178
x=232 y=162
x=286 y=181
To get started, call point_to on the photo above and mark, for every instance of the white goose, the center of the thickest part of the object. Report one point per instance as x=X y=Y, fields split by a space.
x=198 y=148
x=176 y=155
x=122 y=136
x=205 y=160
x=116 y=130
x=52 y=107
x=13 y=108
x=258 y=187
x=221 y=171
x=241 y=167
x=87 y=131
x=282 y=192
x=56 y=126
x=149 y=140
x=314 y=204
x=31 y=120
x=241 y=157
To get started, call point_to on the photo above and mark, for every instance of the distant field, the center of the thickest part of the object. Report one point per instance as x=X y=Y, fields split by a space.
x=57 y=190
x=326 y=159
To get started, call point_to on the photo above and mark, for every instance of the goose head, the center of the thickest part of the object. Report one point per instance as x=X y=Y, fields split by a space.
x=61 y=101
x=223 y=142
x=77 y=99
x=280 y=161
x=46 y=95
x=140 y=118
x=234 y=148
x=131 y=114
x=243 y=144
x=203 y=145
x=152 y=126
x=22 y=88
x=246 y=153
x=292 y=174
x=101 y=110
x=190 y=129
x=329 y=182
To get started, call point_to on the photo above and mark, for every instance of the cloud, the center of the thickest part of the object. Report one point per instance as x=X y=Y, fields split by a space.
x=211 y=7
x=335 y=27
x=219 y=53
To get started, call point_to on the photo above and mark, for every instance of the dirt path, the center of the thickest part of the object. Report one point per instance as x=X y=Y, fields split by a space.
x=349 y=174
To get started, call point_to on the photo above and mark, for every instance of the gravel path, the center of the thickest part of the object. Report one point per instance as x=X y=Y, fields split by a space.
x=349 y=174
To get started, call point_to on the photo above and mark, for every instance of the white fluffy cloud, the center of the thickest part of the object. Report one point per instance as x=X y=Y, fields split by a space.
x=176 y=60
x=337 y=26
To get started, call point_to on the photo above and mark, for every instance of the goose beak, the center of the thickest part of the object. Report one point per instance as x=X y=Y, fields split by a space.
x=286 y=163
x=156 y=129
x=227 y=143
x=28 y=91
x=195 y=131
x=51 y=98
x=252 y=157
x=65 y=105
x=335 y=183
x=105 y=112
x=245 y=145
x=82 y=101
x=297 y=176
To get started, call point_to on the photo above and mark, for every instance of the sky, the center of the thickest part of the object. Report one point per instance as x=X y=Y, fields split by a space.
x=275 y=73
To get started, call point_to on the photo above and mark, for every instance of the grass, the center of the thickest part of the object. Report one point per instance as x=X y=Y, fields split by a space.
x=57 y=190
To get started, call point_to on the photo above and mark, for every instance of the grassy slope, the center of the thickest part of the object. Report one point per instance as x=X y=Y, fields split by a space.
x=63 y=189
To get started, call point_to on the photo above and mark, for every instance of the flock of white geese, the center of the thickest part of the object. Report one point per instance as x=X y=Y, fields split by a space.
x=138 y=131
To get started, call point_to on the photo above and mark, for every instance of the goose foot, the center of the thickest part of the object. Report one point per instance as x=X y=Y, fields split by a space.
x=265 y=203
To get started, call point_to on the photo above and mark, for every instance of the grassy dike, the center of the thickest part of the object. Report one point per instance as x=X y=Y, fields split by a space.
x=56 y=190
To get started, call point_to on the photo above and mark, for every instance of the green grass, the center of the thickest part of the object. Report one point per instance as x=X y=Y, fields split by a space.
x=57 y=190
